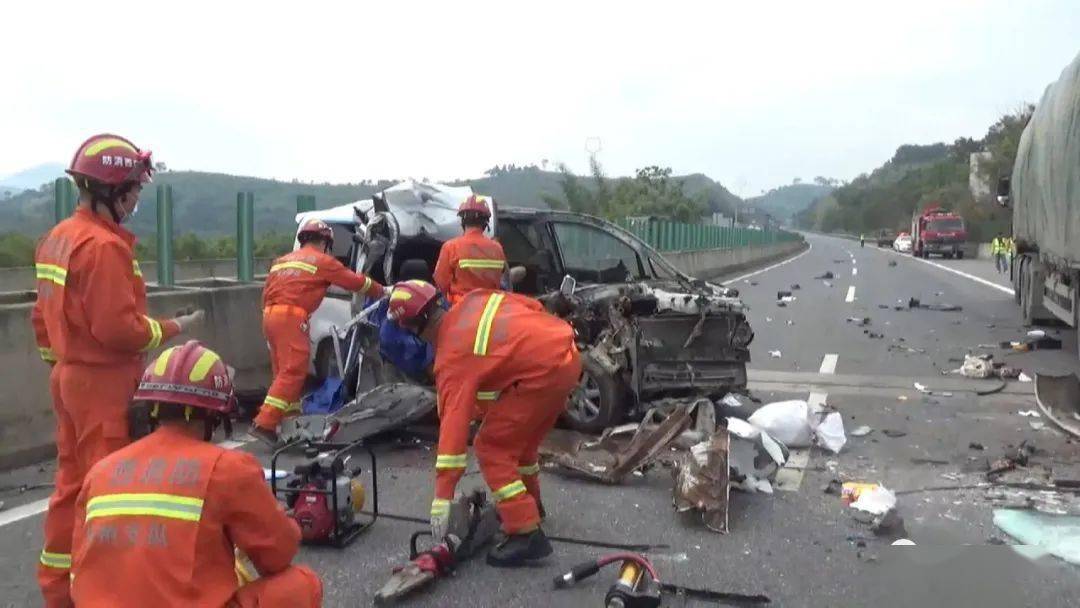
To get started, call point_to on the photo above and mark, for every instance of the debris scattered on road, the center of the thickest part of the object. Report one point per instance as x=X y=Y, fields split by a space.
x=828 y=275
x=903 y=542
x=702 y=481
x=876 y=501
x=796 y=424
x=889 y=524
x=976 y=366
x=926 y=391
x=795 y=286
x=826 y=283
x=1029 y=413
x=1041 y=534
x=892 y=263
x=731 y=400
x=915 y=303
x=754 y=456
x=861 y=431
x=895 y=434
x=883 y=306
x=1036 y=333
x=850 y=490
x=775 y=354
x=935 y=461
x=1023 y=377
x=839 y=261
x=1037 y=425
x=780 y=295
x=976 y=446
x=834 y=487
x=860 y=321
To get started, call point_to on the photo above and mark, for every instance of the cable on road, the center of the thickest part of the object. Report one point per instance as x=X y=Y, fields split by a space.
x=996 y=389
x=557 y=539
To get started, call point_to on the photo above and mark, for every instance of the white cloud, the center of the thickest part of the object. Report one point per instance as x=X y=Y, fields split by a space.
x=752 y=95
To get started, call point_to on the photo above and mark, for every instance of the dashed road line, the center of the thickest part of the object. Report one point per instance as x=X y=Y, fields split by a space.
x=828 y=364
x=850 y=294
x=789 y=478
x=854 y=271
x=972 y=277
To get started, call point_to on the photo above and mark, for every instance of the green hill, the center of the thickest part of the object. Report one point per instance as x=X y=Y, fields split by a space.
x=784 y=202
x=205 y=203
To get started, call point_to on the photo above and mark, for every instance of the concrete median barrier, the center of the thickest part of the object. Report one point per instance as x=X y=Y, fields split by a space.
x=713 y=263
x=233 y=329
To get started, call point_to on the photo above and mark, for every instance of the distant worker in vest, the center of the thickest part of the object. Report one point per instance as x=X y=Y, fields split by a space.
x=91 y=324
x=159 y=522
x=999 y=248
x=472 y=260
x=295 y=287
x=502 y=354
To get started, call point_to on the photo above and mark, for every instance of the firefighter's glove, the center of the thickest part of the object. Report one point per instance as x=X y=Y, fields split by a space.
x=440 y=519
x=191 y=320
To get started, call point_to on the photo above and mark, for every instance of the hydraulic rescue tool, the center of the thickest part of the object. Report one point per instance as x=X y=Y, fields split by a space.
x=324 y=493
x=473 y=523
x=638 y=585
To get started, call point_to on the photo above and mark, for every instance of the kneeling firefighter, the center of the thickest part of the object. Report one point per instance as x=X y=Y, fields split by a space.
x=158 y=522
x=502 y=354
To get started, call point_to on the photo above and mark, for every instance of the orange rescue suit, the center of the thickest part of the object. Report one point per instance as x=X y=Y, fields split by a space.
x=157 y=524
x=470 y=261
x=90 y=319
x=519 y=363
x=295 y=287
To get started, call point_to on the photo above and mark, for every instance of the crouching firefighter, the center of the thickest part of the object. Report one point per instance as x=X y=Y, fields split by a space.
x=503 y=354
x=295 y=287
x=159 y=521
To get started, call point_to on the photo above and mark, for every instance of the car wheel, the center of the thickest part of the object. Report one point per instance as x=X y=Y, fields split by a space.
x=597 y=402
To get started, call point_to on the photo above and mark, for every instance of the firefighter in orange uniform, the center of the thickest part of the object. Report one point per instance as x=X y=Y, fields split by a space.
x=90 y=321
x=472 y=260
x=159 y=521
x=519 y=363
x=295 y=287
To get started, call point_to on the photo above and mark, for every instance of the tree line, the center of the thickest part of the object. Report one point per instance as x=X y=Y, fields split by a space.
x=918 y=175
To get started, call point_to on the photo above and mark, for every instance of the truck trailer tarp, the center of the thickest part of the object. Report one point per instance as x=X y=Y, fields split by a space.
x=1046 y=176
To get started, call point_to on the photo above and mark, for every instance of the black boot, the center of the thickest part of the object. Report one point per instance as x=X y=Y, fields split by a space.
x=520 y=550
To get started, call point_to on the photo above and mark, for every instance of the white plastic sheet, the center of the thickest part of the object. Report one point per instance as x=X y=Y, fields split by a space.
x=876 y=501
x=797 y=425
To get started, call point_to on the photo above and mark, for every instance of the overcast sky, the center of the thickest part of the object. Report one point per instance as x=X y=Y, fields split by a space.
x=750 y=93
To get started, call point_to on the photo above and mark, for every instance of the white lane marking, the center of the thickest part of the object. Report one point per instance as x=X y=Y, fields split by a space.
x=850 y=294
x=789 y=478
x=1001 y=288
x=828 y=364
x=854 y=271
x=38 y=507
x=768 y=268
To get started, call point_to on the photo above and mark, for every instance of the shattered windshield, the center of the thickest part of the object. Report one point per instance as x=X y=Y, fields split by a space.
x=594 y=255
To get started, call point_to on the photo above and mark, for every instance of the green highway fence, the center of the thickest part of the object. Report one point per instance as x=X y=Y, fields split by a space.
x=665 y=235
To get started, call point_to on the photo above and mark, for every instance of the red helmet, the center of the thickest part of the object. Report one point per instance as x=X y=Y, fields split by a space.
x=111 y=160
x=411 y=302
x=316 y=227
x=190 y=374
x=475 y=204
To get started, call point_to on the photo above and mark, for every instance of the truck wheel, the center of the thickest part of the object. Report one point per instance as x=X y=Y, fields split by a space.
x=959 y=255
x=1031 y=308
x=947 y=256
x=597 y=402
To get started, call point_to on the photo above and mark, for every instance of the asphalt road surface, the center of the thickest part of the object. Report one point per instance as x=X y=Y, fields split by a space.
x=798 y=546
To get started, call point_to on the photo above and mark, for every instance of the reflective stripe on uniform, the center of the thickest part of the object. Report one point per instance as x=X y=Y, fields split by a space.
x=451 y=461
x=311 y=268
x=440 y=506
x=487 y=395
x=47 y=354
x=480 y=263
x=105 y=144
x=367 y=284
x=135 y=268
x=60 y=561
x=155 y=334
x=280 y=404
x=171 y=506
x=51 y=272
x=509 y=491
x=483 y=329
x=529 y=469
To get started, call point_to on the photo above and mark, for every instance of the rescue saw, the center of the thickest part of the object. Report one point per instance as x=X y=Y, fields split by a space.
x=473 y=524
